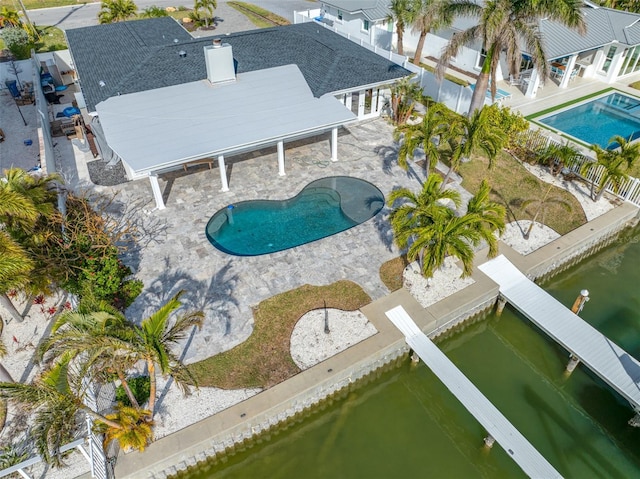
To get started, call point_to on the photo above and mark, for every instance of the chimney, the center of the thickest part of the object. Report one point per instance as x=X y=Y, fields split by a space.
x=219 y=60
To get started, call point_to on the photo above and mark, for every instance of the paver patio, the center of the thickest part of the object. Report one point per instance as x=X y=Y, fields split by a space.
x=177 y=254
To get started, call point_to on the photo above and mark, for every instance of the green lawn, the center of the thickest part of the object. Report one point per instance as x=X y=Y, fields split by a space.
x=33 y=4
x=265 y=359
x=51 y=39
x=513 y=186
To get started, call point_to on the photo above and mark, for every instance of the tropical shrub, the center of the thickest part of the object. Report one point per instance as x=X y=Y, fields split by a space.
x=512 y=123
x=18 y=42
x=140 y=387
x=154 y=12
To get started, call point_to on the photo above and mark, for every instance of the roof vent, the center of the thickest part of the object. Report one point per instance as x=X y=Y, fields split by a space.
x=182 y=53
x=101 y=83
x=175 y=40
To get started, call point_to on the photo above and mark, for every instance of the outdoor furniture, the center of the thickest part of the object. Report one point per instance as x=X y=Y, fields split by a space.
x=515 y=80
x=500 y=94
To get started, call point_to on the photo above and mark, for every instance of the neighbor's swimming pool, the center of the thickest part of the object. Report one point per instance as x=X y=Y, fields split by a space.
x=598 y=120
x=323 y=208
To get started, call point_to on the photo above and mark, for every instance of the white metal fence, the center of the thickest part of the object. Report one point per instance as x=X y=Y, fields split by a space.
x=629 y=189
x=456 y=97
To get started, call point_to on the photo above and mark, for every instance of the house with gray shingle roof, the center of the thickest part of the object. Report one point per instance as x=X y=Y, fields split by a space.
x=162 y=99
x=609 y=51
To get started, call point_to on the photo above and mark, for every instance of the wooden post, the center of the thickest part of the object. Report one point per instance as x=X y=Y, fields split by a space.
x=415 y=359
x=489 y=441
x=502 y=302
x=573 y=362
x=579 y=302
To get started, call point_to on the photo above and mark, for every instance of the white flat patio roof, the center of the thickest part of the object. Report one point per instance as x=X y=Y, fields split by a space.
x=166 y=127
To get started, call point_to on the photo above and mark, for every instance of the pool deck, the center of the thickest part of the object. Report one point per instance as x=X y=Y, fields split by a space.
x=177 y=255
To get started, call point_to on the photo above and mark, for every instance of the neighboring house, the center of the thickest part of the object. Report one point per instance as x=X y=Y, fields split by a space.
x=164 y=99
x=609 y=51
x=361 y=19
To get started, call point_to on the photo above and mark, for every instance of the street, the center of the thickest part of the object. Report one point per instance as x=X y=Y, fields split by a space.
x=83 y=15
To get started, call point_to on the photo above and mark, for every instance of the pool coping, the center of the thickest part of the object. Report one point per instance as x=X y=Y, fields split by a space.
x=242 y=422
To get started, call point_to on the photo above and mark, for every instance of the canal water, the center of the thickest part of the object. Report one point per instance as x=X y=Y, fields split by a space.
x=406 y=424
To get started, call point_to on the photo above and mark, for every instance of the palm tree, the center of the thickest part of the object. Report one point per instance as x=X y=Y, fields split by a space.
x=9 y=17
x=491 y=216
x=15 y=268
x=24 y=200
x=208 y=6
x=134 y=430
x=55 y=399
x=426 y=16
x=102 y=338
x=469 y=134
x=614 y=162
x=112 y=11
x=155 y=337
x=428 y=135
x=558 y=156
x=413 y=214
x=400 y=13
x=509 y=26
x=543 y=202
x=404 y=95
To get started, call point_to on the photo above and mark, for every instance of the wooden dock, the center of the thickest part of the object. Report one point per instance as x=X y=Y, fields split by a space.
x=499 y=427
x=606 y=359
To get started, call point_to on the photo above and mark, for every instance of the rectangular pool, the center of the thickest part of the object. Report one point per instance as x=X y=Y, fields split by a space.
x=598 y=120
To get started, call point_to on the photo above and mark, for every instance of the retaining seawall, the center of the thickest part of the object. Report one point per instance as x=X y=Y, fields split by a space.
x=240 y=424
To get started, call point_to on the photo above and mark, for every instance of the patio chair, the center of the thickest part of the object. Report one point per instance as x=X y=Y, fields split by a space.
x=573 y=74
x=515 y=80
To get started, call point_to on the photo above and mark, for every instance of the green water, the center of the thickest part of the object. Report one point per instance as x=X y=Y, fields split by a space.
x=407 y=424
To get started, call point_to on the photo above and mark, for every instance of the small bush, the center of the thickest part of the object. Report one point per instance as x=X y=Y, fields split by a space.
x=18 y=42
x=154 y=12
x=140 y=387
x=512 y=123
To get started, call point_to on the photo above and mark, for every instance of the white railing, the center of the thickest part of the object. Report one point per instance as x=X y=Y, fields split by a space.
x=456 y=97
x=83 y=444
x=629 y=189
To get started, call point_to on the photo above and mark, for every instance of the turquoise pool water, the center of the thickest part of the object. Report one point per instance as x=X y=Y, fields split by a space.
x=598 y=120
x=407 y=424
x=323 y=208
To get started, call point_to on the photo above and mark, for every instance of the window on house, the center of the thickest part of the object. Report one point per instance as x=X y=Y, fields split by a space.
x=340 y=15
x=481 y=58
x=607 y=61
x=365 y=25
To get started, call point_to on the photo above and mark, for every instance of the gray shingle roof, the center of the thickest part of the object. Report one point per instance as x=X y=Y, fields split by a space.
x=141 y=55
x=373 y=10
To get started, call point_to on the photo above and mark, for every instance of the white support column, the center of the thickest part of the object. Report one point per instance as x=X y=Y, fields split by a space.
x=375 y=103
x=567 y=71
x=348 y=102
x=361 y=96
x=281 y=158
x=157 y=194
x=334 y=144
x=223 y=174
x=533 y=85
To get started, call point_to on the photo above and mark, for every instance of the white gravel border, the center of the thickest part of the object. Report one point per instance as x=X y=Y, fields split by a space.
x=310 y=344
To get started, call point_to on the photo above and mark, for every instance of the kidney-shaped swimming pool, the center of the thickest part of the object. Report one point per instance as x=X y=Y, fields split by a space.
x=323 y=208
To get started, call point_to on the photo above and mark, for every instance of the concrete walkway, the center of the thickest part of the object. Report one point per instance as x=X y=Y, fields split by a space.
x=187 y=446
